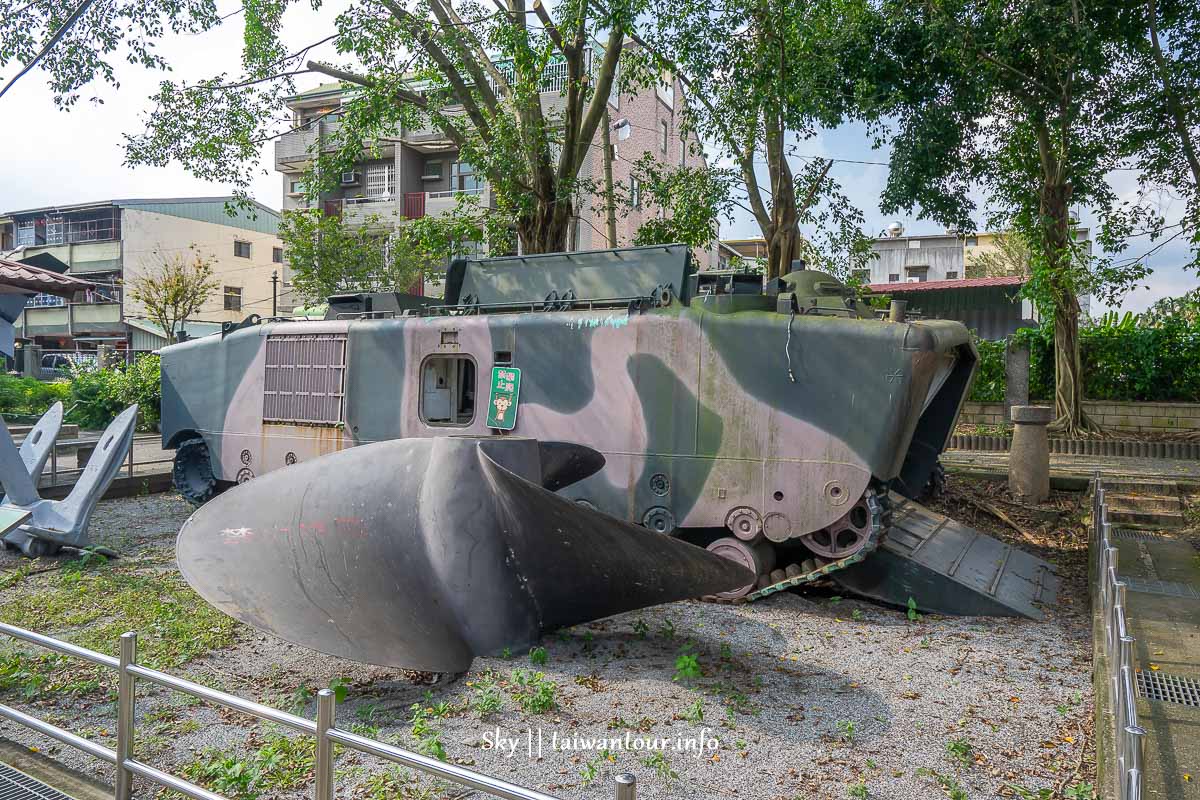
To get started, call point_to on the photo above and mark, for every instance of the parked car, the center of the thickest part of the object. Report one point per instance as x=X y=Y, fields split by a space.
x=65 y=362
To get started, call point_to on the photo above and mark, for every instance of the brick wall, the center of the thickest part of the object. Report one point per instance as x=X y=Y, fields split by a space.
x=1132 y=417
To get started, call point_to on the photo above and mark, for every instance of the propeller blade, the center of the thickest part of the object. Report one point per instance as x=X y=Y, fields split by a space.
x=425 y=553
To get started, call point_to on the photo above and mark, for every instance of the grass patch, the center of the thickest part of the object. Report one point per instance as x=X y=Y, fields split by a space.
x=91 y=605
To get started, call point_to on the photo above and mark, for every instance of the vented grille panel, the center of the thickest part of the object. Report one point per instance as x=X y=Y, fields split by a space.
x=15 y=785
x=1168 y=688
x=305 y=379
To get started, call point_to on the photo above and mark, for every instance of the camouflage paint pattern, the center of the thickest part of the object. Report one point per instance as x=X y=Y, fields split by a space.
x=697 y=411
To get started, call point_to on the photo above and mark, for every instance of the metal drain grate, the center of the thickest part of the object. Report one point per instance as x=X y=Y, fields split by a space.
x=1168 y=688
x=16 y=785
x=1136 y=535
x=1170 y=588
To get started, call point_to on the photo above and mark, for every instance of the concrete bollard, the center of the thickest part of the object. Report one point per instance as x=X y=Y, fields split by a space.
x=1029 y=458
x=33 y=361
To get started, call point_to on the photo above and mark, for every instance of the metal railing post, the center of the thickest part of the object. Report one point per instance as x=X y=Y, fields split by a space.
x=626 y=786
x=326 y=709
x=126 y=691
x=53 y=465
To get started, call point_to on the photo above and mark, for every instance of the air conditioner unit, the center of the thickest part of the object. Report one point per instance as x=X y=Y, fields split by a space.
x=912 y=279
x=349 y=178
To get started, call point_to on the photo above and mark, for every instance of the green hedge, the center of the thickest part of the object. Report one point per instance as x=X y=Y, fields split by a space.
x=1123 y=362
x=93 y=396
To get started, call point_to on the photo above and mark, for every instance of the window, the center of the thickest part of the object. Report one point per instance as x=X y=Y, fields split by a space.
x=448 y=390
x=917 y=274
x=26 y=233
x=241 y=249
x=914 y=244
x=433 y=169
x=464 y=179
x=277 y=255
x=662 y=136
x=233 y=298
x=635 y=193
x=683 y=151
x=296 y=187
x=952 y=275
x=894 y=277
x=381 y=180
x=304 y=380
x=972 y=241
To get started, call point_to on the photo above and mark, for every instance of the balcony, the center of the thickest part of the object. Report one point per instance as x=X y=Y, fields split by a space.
x=83 y=257
x=293 y=150
x=364 y=210
x=391 y=210
x=73 y=319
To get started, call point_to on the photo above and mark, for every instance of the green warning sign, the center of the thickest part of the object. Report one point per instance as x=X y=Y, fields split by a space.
x=502 y=408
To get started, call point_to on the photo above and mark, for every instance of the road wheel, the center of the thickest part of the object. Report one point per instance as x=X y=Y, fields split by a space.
x=193 y=474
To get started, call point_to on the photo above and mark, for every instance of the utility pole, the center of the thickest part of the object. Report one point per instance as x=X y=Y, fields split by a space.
x=610 y=211
x=274 y=293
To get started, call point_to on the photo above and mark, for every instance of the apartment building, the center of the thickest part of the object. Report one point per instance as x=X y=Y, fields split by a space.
x=111 y=242
x=940 y=275
x=418 y=172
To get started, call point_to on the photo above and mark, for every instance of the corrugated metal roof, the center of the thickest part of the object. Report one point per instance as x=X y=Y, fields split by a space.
x=941 y=286
x=36 y=279
x=259 y=218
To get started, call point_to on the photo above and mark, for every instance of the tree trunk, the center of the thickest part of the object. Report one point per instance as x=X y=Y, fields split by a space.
x=546 y=231
x=1070 y=417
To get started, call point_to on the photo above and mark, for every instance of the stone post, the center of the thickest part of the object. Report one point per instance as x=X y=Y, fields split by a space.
x=1029 y=457
x=104 y=356
x=33 y=360
x=1016 y=374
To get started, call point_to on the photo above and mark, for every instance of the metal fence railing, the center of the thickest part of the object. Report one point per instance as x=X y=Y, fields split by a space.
x=1128 y=736
x=323 y=729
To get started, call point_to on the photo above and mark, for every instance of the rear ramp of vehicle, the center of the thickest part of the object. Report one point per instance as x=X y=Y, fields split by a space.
x=949 y=568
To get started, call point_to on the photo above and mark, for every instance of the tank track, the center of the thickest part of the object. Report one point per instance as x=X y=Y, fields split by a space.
x=881 y=519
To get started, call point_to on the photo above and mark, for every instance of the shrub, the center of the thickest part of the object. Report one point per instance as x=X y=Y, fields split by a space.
x=25 y=395
x=100 y=394
x=1122 y=361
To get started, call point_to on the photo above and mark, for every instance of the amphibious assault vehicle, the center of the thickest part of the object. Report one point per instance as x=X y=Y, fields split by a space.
x=784 y=425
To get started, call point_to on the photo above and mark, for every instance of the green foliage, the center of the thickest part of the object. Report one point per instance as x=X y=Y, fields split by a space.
x=535 y=693
x=1124 y=359
x=283 y=764
x=340 y=689
x=990 y=380
x=961 y=751
x=687 y=668
x=99 y=395
x=30 y=396
x=911 y=612
x=695 y=712
x=659 y=763
x=846 y=729
x=429 y=739
x=858 y=791
x=685 y=204
x=487 y=697
x=538 y=656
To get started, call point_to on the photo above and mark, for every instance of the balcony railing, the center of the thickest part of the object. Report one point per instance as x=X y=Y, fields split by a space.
x=413 y=205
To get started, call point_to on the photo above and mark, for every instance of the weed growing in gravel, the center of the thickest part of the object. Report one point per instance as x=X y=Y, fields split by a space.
x=300 y=699
x=643 y=725
x=726 y=651
x=1077 y=791
x=857 y=615
x=538 y=656
x=667 y=629
x=687 y=667
x=858 y=791
x=913 y=615
x=535 y=693
x=640 y=628
x=282 y=764
x=949 y=785
x=429 y=740
x=396 y=782
x=694 y=713
x=437 y=710
x=488 y=698
x=340 y=689
x=506 y=653
x=658 y=762
x=961 y=751
x=846 y=730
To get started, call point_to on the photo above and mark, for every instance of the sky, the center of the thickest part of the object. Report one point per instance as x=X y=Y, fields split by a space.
x=51 y=157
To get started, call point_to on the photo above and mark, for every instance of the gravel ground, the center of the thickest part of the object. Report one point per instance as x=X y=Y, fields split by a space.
x=801 y=696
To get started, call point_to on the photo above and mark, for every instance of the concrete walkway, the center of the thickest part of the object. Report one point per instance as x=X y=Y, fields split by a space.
x=1163 y=613
x=1075 y=471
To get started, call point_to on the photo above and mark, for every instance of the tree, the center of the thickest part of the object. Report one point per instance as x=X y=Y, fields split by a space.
x=1154 y=99
x=688 y=202
x=174 y=288
x=1010 y=256
x=474 y=74
x=1010 y=98
x=762 y=76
